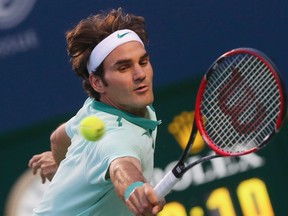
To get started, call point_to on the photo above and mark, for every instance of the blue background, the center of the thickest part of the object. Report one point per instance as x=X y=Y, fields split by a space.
x=185 y=38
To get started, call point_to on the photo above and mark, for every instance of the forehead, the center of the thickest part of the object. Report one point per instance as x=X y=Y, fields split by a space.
x=132 y=50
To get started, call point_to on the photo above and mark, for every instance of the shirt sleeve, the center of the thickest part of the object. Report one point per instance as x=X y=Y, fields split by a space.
x=68 y=127
x=72 y=124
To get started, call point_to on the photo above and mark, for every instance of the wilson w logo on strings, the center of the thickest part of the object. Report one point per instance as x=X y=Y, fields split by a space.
x=238 y=101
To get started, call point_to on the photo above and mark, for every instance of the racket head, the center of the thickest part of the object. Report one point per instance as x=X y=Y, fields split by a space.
x=241 y=102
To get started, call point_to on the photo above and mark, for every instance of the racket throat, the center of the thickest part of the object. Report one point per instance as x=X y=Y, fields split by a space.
x=178 y=170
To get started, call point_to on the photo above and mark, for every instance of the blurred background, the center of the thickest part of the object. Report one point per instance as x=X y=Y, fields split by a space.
x=39 y=91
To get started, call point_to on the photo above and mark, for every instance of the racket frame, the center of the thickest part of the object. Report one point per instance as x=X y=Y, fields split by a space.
x=281 y=88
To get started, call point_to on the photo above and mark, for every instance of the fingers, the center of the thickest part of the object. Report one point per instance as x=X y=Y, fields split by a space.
x=34 y=163
x=44 y=162
x=157 y=202
x=43 y=178
x=143 y=201
x=151 y=195
x=138 y=203
x=159 y=207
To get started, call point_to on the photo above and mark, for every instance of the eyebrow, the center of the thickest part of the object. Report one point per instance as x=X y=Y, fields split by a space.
x=125 y=61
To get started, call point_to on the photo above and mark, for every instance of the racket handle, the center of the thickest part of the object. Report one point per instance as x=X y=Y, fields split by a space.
x=166 y=184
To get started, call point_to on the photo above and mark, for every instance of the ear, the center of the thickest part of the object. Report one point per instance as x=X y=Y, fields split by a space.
x=96 y=83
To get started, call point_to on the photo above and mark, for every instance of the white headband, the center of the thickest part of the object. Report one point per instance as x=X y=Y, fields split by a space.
x=107 y=45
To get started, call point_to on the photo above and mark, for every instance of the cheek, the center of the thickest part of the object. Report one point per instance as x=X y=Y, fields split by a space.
x=118 y=86
x=149 y=71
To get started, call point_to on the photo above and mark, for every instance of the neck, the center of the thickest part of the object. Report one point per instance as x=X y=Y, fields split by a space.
x=141 y=112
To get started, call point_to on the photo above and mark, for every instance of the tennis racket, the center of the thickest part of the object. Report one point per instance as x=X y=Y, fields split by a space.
x=240 y=106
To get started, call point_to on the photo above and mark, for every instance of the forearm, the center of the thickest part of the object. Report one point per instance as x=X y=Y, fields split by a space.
x=60 y=142
x=123 y=172
x=141 y=199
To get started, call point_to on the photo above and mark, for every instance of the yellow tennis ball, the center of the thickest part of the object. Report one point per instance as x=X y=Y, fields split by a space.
x=92 y=128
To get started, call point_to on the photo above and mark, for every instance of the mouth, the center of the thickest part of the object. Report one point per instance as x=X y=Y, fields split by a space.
x=141 y=89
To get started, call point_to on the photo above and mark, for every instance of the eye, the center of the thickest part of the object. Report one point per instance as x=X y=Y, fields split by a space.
x=123 y=67
x=144 y=62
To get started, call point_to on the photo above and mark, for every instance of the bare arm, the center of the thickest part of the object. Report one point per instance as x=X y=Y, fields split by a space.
x=143 y=200
x=47 y=162
x=60 y=142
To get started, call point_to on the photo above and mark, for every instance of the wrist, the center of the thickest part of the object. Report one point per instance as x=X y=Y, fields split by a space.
x=130 y=189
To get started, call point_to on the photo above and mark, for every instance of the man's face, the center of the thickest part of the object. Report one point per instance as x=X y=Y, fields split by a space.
x=129 y=75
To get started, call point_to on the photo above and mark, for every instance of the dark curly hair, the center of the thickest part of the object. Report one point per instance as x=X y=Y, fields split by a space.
x=82 y=39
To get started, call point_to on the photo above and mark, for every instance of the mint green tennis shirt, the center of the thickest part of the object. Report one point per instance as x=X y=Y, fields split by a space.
x=81 y=186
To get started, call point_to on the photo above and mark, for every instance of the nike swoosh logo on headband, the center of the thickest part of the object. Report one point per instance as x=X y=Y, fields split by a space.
x=122 y=35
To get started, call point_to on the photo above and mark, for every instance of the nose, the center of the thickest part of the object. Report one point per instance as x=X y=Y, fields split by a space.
x=139 y=73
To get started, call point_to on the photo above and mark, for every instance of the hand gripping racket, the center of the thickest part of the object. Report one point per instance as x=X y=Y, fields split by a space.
x=240 y=105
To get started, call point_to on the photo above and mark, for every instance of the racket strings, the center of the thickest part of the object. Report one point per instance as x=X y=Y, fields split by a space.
x=249 y=127
x=245 y=100
x=261 y=87
x=221 y=78
x=246 y=139
x=242 y=96
x=248 y=142
x=230 y=88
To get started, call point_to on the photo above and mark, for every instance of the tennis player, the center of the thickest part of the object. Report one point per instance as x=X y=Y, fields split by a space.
x=110 y=176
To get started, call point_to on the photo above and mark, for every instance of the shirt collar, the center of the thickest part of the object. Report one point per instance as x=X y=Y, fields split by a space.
x=142 y=122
